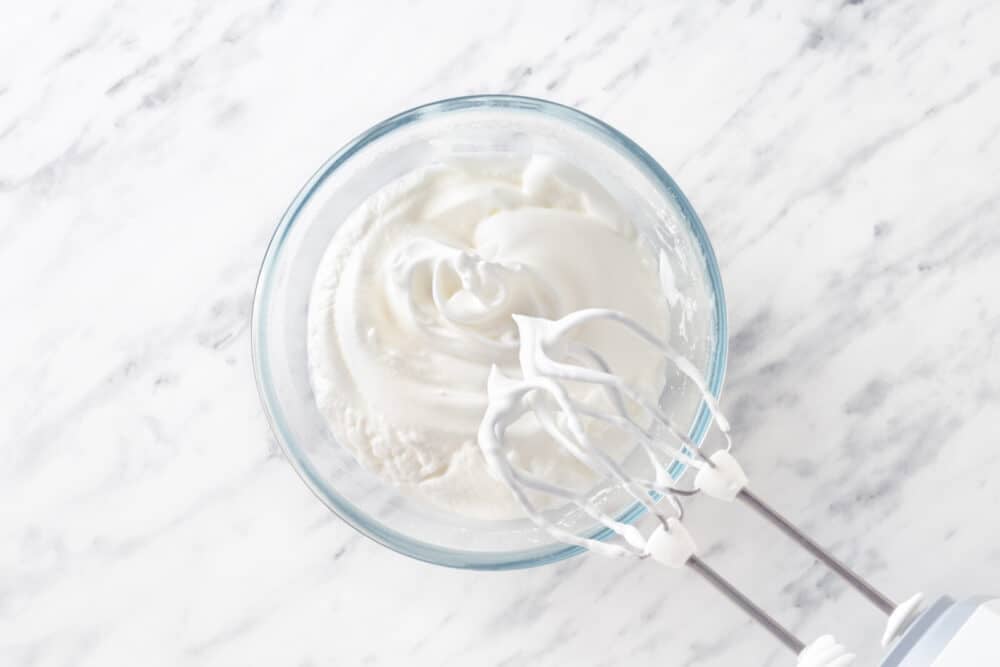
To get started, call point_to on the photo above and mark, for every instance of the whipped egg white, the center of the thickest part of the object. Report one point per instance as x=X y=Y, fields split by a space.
x=413 y=303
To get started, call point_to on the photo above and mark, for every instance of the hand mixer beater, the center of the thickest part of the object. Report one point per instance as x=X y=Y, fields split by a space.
x=947 y=634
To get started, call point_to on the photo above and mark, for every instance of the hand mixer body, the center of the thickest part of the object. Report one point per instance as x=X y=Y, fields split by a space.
x=951 y=634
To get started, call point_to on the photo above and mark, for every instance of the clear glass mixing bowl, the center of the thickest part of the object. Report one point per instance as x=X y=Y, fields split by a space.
x=463 y=126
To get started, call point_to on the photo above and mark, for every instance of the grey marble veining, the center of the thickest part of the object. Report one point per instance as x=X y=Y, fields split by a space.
x=845 y=158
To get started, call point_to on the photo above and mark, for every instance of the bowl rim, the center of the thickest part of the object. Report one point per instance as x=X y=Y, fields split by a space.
x=343 y=508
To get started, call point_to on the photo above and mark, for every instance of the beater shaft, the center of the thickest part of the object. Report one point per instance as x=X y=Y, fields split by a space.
x=737 y=597
x=886 y=605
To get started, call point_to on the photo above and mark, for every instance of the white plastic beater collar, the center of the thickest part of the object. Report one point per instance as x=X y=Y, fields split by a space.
x=724 y=479
x=902 y=618
x=825 y=652
x=671 y=545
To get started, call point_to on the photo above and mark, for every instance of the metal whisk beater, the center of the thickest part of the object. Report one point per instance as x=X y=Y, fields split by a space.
x=549 y=359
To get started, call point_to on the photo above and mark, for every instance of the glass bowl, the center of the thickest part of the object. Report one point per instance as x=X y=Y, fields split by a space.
x=461 y=127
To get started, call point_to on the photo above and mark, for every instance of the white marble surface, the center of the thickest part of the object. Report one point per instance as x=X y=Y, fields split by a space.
x=845 y=159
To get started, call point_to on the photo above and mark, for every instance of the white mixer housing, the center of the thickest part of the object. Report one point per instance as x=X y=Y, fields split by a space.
x=951 y=634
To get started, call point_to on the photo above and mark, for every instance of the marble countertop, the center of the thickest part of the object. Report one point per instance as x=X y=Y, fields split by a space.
x=845 y=159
